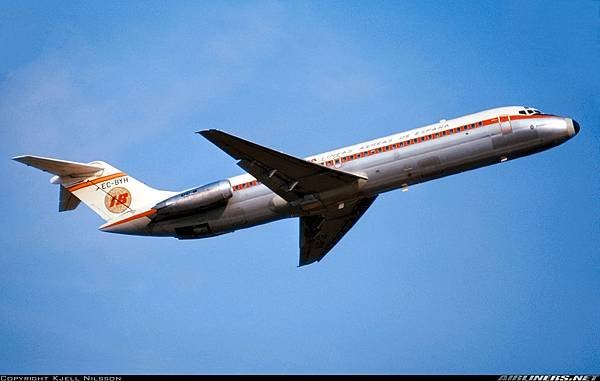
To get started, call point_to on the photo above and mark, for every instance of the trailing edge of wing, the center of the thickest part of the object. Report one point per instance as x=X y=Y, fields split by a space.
x=319 y=234
x=290 y=177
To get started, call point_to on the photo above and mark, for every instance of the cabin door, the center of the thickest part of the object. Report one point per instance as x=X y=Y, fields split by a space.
x=337 y=162
x=505 y=125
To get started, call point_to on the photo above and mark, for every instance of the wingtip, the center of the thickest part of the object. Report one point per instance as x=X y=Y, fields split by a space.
x=307 y=262
x=19 y=158
x=206 y=132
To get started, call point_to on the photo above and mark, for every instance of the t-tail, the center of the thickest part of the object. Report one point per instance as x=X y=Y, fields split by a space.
x=112 y=194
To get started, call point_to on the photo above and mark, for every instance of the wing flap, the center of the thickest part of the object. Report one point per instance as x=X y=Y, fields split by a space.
x=319 y=234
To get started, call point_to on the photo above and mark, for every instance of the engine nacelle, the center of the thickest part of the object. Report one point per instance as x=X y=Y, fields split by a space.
x=206 y=196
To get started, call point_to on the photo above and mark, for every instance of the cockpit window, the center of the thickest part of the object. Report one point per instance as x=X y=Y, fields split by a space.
x=522 y=112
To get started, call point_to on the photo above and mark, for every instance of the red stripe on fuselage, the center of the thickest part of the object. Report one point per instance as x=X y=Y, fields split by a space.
x=135 y=217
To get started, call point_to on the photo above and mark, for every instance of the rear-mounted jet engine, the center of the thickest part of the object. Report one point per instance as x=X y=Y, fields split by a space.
x=191 y=201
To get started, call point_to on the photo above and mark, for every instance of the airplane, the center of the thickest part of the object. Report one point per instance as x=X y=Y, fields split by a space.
x=329 y=192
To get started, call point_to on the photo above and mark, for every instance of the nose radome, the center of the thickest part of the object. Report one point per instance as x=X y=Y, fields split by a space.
x=576 y=126
x=572 y=127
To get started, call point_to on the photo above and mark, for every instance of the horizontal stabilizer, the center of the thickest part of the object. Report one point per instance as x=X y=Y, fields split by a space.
x=59 y=167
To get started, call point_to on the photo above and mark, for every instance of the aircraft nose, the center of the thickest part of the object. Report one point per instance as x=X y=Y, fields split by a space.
x=572 y=127
x=576 y=126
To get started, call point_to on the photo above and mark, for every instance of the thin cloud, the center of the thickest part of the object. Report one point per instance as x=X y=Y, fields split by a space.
x=75 y=93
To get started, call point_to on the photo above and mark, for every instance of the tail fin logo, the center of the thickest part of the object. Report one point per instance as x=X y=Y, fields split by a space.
x=117 y=200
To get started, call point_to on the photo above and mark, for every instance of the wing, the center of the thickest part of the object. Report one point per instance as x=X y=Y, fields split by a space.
x=318 y=234
x=290 y=177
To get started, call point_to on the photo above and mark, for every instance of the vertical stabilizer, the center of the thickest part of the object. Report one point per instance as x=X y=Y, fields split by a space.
x=109 y=192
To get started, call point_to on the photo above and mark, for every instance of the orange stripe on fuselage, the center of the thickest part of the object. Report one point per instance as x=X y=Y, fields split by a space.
x=135 y=217
x=95 y=181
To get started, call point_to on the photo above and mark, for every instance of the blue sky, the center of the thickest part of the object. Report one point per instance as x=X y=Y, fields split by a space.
x=490 y=271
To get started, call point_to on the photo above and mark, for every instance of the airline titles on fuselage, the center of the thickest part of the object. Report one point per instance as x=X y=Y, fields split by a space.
x=384 y=142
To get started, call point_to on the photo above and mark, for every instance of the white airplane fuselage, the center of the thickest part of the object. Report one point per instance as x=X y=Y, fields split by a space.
x=384 y=164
